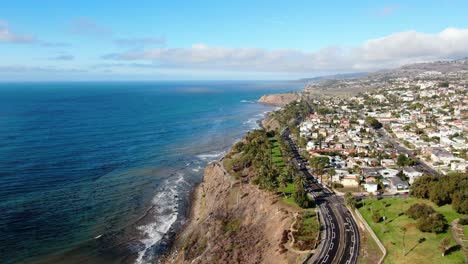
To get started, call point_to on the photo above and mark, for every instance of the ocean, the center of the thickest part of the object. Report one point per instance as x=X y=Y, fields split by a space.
x=101 y=172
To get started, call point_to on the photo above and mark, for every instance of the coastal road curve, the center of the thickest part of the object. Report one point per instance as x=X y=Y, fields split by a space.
x=341 y=242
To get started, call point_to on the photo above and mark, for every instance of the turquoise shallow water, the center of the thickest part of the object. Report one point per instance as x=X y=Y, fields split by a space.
x=101 y=172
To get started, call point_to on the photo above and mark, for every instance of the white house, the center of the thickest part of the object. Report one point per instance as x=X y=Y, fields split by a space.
x=387 y=162
x=388 y=173
x=398 y=185
x=441 y=155
x=412 y=174
x=459 y=166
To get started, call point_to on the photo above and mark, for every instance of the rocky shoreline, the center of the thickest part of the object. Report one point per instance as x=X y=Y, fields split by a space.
x=233 y=222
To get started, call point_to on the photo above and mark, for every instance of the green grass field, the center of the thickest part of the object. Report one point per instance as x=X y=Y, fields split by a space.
x=392 y=236
x=276 y=154
x=288 y=191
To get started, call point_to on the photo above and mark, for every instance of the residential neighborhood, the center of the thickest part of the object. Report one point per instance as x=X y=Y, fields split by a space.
x=381 y=140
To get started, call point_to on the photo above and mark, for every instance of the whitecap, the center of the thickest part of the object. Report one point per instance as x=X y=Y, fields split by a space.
x=212 y=156
x=197 y=169
x=166 y=212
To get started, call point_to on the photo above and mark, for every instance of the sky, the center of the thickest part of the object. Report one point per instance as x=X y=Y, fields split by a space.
x=223 y=40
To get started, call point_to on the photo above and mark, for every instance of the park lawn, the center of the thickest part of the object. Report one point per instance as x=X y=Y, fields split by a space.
x=276 y=154
x=392 y=236
x=289 y=189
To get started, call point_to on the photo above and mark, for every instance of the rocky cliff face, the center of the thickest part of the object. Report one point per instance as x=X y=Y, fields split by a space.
x=278 y=99
x=233 y=222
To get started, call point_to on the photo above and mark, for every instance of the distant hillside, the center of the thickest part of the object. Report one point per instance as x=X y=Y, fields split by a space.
x=349 y=84
x=336 y=77
x=418 y=68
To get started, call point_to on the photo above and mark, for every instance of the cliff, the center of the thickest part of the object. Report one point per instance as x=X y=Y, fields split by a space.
x=278 y=99
x=233 y=222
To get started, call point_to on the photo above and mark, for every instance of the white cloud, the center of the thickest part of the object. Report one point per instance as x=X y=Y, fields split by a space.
x=88 y=27
x=140 y=41
x=8 y=36
x=62 y=58
x=388 y=51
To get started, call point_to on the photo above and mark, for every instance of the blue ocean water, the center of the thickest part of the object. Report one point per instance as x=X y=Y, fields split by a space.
x=102 y=172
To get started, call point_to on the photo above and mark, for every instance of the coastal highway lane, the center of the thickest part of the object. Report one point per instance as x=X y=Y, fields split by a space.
x=341 y=243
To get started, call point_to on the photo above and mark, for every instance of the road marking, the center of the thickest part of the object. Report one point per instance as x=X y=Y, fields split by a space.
x=325 y=259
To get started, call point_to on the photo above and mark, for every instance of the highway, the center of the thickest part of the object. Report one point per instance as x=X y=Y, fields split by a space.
x=341 y=242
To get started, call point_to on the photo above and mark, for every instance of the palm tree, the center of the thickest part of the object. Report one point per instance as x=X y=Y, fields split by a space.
x=403 y=229
x=282 y=181
x=350 y=200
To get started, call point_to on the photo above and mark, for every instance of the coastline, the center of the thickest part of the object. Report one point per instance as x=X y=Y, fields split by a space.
x=194 y=208
x=260 y=212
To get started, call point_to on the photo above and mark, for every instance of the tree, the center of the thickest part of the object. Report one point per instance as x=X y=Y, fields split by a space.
x=444 y=245
x=444 y=84
x=282 y=181
x=371 y=121
x=350 y=200
x=434 y=223
x=376 y=217
x=404 y=161
x=439 y=196
x=419 y=210
x=300 y=197
x=460 y=202
x=422 y=186
x=403 y=230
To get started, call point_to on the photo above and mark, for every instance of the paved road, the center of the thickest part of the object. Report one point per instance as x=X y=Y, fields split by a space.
x=421 y=165
x=341 y=242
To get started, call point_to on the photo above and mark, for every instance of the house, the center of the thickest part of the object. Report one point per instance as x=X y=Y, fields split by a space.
x=350 y=181
x=441 y=155
x=337 y=162
x=412 y=174
x=388 y=173
x=459 y=166
x=344 y=123
x=339 y=175
x=371 y=172
x=398 y=185
x=371 y=186
x=387 y=162
x=310 y=145
x=385 y=182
